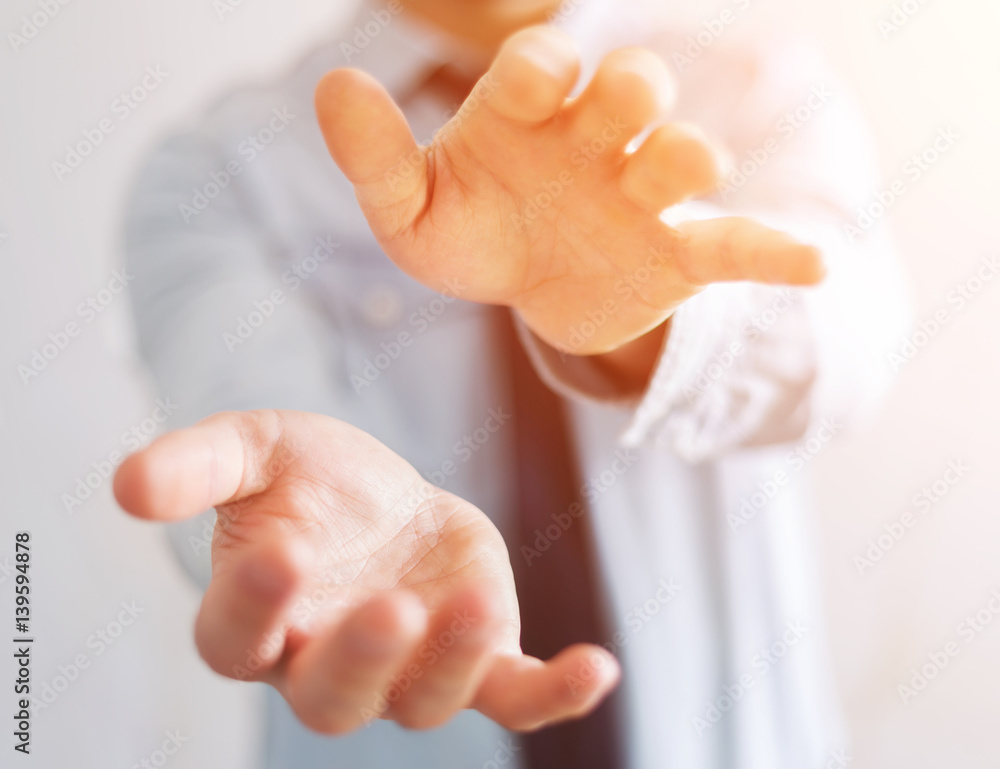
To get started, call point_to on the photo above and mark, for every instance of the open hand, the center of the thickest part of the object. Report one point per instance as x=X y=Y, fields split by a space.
x=353 y=586
x=529 y=199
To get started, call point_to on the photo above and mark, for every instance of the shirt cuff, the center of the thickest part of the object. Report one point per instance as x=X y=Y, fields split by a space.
x=686 y=412
x=675 y=407
x=701 y=329
x=577 y=377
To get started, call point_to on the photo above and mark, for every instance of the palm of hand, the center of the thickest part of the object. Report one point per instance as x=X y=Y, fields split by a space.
x=370 y=523
x=531 y=200
x=335 y=568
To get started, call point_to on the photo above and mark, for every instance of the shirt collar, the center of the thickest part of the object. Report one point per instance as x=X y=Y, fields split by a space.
x=407 y=50
x=401 y=51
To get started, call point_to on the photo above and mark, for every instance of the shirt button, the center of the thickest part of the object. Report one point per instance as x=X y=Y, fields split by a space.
x=382 y=306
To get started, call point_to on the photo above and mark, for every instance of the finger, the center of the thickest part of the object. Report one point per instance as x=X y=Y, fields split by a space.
x=370 y=140
x=342 y=680
x=532 y=75
x=462 y=638
x=735 y=248
x=219 y=460
x=631 y=88
x=524 y=693
x=239 y=629
x=673 y=164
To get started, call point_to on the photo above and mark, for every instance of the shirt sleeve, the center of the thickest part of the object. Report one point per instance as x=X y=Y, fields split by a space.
x=218 y=319
x=217 y=323
x=745 y=364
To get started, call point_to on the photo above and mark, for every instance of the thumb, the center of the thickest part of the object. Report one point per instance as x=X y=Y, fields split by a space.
x=370 y=140
x=222 y=459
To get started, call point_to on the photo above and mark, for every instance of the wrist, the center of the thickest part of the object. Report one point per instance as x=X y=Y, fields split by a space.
x=631 y=365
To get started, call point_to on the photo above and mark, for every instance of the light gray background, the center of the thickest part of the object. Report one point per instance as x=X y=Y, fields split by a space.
x=59 y=242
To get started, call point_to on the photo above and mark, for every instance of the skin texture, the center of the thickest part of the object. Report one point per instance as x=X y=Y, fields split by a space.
x=338 y=573
x=459 y=210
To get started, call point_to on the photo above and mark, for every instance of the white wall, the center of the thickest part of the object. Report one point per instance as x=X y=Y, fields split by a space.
x=59 y=244
x=940 y=69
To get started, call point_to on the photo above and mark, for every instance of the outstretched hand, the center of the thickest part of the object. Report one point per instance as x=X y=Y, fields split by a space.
x=353 y=586
x=530 y=199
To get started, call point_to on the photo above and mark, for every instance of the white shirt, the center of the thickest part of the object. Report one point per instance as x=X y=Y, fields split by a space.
x=695 y=489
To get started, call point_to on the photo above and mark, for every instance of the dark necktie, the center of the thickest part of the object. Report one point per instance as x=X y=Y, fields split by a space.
x=558 y=593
